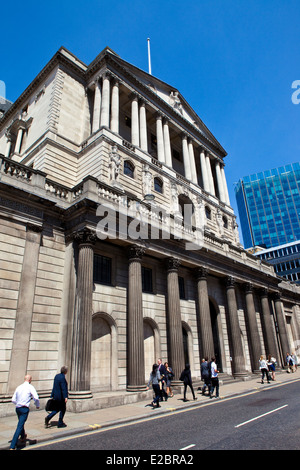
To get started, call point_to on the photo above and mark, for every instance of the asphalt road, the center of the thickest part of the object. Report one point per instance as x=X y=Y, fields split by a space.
x=262 y=420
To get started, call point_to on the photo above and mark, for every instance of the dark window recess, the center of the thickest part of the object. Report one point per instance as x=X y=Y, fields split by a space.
x=147 y=285
x=102 y=269
x=181 y=287
x=128 y=169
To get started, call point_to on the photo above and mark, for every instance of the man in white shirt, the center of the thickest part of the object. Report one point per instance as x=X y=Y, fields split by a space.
x=214 y=378
x=21 y=398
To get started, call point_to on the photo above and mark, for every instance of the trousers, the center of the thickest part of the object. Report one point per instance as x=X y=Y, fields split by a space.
x=22 y=414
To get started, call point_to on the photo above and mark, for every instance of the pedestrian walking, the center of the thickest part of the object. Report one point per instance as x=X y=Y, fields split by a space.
x=22 y=398
x=271 y=366
x=295 y=359
x=60 y=397
x=214 y=378
x=163 y=372
x=263 y=366
x=205 y=375
x=169 y=377
x=290 y=363
x=186 y=378
x=155 y=378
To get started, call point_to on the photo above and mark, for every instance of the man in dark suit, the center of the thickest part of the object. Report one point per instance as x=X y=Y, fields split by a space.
x=60 y=395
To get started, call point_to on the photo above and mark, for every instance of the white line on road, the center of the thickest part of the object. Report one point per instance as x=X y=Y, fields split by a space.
x=188 y=447
x=261 y=416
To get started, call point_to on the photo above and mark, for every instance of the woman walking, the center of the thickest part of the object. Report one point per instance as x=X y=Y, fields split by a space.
x=263 y=365
x=154 y=379
x=187 y=380
x=168 y=378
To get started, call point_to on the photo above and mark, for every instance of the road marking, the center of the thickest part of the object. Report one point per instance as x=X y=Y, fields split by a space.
x=260 y=416
x=188 y=447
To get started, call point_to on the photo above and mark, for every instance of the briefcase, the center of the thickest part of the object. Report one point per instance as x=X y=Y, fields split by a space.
x=53 y=405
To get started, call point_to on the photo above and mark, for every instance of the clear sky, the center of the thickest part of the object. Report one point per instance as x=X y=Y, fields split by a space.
x=234 y=61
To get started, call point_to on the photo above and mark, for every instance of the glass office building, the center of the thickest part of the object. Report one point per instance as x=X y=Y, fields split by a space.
x=269 y=206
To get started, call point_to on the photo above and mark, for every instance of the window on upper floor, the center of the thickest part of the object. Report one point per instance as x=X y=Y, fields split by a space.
x=208 y=212
x=129 y=168
x=147 y=284
x=158 y=185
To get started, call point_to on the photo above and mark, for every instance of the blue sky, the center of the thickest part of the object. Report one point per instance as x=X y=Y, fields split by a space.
x=234 y=61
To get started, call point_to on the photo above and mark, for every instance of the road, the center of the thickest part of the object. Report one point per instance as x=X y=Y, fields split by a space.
x=260 y=420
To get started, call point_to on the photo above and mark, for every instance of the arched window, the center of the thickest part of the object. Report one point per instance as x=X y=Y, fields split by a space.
x=158 y=185
x=129 y=169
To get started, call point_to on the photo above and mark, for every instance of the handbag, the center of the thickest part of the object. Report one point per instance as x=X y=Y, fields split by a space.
x=53 y=405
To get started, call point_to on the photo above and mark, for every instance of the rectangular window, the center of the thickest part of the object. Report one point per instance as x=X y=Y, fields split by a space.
x=102 y=269
x=181 y=287
x=147 y=285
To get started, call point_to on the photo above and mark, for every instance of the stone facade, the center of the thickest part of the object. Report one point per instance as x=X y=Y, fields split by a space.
x=96 y=276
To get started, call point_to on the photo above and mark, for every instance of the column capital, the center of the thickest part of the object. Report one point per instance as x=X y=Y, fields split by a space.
x=230 y=282
x=201 y=272
x=136 y=252
x=248 y=287
x=85 y=236
x=276 y=296
x=173 y=264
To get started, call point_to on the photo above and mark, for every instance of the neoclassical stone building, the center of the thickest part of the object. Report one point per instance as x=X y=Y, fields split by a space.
x=118 y=241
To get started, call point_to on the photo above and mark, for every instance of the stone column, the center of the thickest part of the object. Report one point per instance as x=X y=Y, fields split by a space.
x=135 y=325
x=285 y=346
x=82 y=320
x=160 y=139
x=19 y=140
x=220 y=182
x=210 y=176
x=105 y=103
x=167 y=143
x=143 y=127
x=237 y=353
x=255 y=347
x=270 y=343
x=8 y=146
x=204 y=173
x=114 y=121
x=186 y=158
x=135 y=138
x=204 y=319
x=192 y=163
x=227 y=200
x=174 y=325
x=97 y=106
x=23 y=324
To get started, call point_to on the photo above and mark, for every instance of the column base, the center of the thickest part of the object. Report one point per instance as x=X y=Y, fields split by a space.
x=242 y=376
x=80 y=395
x=136 y=388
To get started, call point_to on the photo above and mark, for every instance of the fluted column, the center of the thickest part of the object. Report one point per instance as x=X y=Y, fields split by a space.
x=82 y=321
x=220 y=182
x=204 y=173
x=255 y=347
x=135 y=138
x=238 y=359
x=114 y=122
x=105 y=103
x=174 y=325
x=143 y=127
x=97 y=106
x=167 y=143
x=210 y=176
x=160 y=139
x=285 y=346
x=135 y=327
x=227 y=200
x=192 y=163
x=204 y=320
x=270 y=343
x=186 y=158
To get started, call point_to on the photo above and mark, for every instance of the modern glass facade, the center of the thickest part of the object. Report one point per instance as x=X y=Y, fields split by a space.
x=269 y=206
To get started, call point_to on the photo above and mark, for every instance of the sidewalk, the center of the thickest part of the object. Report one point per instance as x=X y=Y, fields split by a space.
x=105 y=417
